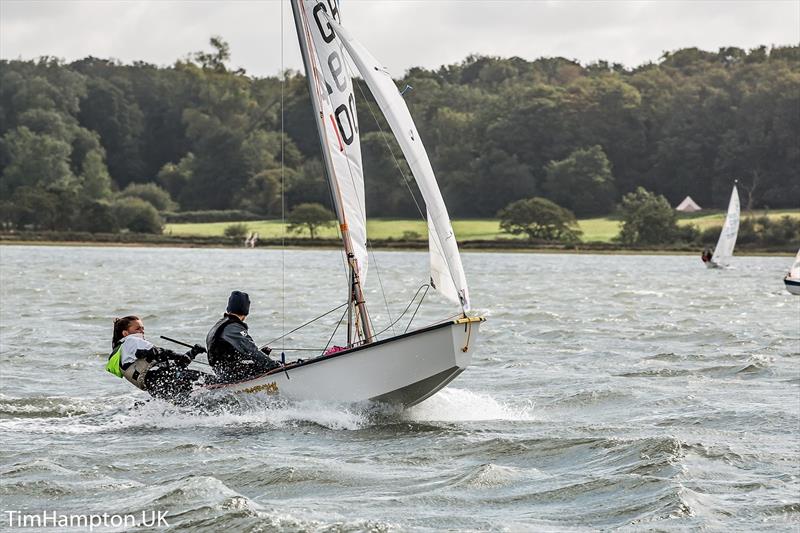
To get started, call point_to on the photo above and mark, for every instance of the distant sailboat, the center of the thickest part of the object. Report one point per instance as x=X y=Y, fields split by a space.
x=792 y=279
x=727 y=237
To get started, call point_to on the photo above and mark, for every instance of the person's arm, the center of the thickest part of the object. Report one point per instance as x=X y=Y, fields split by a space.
x=161 y=355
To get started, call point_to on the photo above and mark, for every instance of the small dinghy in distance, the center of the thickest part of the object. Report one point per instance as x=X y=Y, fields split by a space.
x=404 y=369
x=792 y=279
x=723 y=252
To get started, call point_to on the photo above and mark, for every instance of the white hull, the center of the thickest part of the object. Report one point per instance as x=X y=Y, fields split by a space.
x=404 y=370
x=792 y=285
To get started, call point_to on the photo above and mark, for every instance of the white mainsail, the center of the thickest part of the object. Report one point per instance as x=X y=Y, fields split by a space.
x=794 y=272
x=445 y=258
x=727 y=238
x=333 y=92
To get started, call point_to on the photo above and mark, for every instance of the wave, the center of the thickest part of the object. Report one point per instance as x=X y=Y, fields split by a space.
x=755 y=365
x=207 y=504
x=486 y=476
x=46 y=407
x=80 y=416
x=459 y=405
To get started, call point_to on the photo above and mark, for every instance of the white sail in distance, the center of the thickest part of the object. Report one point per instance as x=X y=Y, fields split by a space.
x=727 y=237
x=333 y=89
x=444 y=249
x=794 y=272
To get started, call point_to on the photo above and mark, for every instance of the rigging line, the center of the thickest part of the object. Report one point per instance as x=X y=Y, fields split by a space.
x=394 y=157
x=418 y=306
x=339 y=323
x=283 y=196
x=407 y=308
x=307 y=323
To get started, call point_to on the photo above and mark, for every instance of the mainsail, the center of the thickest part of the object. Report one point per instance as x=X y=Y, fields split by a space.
x=727 y=238
x=334 y=103
x=331 y=91
x=447 y=272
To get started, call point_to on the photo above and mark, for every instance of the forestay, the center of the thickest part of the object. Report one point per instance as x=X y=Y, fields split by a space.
x=333 y=90
x=447 y=273
x=727 y=238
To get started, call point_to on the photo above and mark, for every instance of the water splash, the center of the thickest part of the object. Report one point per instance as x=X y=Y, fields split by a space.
x=457 y=405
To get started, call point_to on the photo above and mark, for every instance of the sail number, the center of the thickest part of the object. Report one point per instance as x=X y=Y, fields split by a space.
x=344 y=113
x=327 y=31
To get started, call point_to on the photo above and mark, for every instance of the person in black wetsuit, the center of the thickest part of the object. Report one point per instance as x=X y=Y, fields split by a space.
x=232 y=353
x=160 y=372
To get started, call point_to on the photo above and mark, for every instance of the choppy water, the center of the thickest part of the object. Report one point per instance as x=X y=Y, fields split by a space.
x=633 y=392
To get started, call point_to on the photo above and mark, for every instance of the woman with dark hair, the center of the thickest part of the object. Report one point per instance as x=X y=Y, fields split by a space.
x=159 y=371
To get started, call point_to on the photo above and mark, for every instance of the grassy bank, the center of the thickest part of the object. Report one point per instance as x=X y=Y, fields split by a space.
x=601 y=230
x=482 y=234
x=499 y=245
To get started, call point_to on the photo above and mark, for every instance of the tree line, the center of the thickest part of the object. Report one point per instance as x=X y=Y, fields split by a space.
x=97 y=145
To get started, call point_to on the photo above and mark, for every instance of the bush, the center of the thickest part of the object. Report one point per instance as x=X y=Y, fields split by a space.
x=759 y=231
x=237 y=230
x=539 y=218
x=150 y=192
x=766 y=231
x=137 y=215
x=311 y=217
x=647 y=219
x=96 y=217
x=709 y=236
x=688 y=234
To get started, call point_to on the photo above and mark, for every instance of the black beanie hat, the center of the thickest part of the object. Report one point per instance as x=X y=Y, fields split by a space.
x=238 y=303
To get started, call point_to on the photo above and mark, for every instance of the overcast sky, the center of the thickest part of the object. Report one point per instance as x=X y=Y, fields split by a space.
x=400 y=33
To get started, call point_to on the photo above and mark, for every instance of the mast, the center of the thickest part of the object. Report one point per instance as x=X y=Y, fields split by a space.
x=355 y=291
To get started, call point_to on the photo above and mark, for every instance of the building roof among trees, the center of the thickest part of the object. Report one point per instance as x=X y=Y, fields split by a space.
x=688 y=205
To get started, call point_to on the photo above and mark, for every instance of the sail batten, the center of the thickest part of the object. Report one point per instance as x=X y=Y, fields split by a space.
x=730 y=229
x=447 y=272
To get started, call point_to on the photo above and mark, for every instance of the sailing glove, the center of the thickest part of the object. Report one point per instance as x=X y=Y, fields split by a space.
x=184 y=360
x=266 y=350
x=195 y=351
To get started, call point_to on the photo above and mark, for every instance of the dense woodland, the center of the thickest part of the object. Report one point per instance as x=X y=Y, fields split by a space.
x=96 y=145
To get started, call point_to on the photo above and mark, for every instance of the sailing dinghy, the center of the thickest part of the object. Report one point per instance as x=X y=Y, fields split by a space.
x=727 y=237
x=792 y=279
x=403 y=369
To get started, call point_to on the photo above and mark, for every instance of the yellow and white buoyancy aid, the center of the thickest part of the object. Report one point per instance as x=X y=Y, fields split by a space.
x=123 y=361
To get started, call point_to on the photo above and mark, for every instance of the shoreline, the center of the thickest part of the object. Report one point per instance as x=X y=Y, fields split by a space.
x=165 y=241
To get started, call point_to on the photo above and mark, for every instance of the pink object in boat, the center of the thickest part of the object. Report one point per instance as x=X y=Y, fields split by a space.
x=334 y=349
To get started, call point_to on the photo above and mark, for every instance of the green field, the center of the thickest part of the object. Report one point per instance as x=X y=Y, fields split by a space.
x=594 y=229
x=704 y=221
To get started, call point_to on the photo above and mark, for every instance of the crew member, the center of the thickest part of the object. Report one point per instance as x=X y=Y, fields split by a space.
x=232 y=353
x=159 y=371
